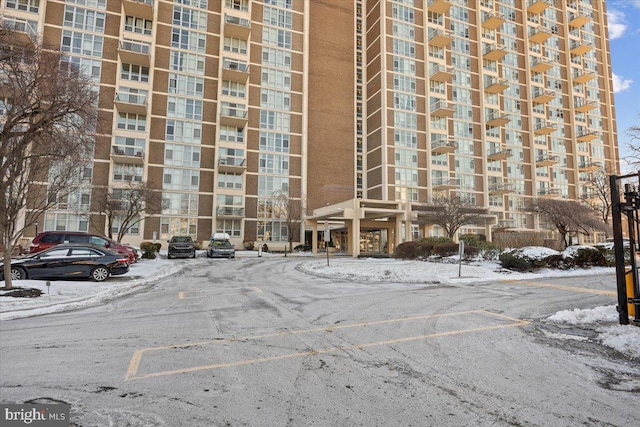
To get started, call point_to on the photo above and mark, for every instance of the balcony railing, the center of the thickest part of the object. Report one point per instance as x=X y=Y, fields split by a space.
x=441 y=109
x=441 y=73
x=492 y=20
x=445 y=184
x=236 y=26
x=494 y=52
x=30 y=28
x=135 y=52
x=127 y=154
x=547 y=160
x=492 y=156
x=540 y=65
x=230 y=211
x=442 y=146
x=548 y=192
x=439 y=37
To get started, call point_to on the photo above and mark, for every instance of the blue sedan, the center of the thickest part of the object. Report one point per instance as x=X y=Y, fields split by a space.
x=69 y=261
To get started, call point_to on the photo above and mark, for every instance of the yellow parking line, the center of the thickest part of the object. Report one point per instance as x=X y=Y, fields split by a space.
x=132 y=372
x=562 y=287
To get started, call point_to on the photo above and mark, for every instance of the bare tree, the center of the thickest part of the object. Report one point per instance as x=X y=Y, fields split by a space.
x=600 y=198
x=634 y=134
x=292 y=211
x=451 y=212
x=569 y=217
x=48 y=118
x=127 y=205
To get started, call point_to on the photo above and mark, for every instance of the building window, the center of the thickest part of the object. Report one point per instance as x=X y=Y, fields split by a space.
x=188 y=40
x=230 y=226
x=184 y=108
x=82 y=43
x=32 y=6
x=127 y=172
x=134 y=72
x=188 y=132
x=131 y=121
x=138 y=25
x=230 y=180
x=84 y=19
x=181 y=84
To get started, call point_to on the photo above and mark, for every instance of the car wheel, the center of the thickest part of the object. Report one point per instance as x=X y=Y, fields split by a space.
x=168 y=255
x=193 y=255
x=100 y=273
x=18 y=274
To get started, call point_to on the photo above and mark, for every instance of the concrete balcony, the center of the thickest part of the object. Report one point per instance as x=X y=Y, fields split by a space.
x=583 y=76
x=234 y=70
x=443 y=146
x=544 y=128
x=538 y=6
x=539 y=34
x=131 y=52
x=578 y=19
x=439 y=38
x=439 y=6
x=131 y=103
x=505 y=223
x=440 y=73
x=445 y=184
x=129 y=155
x=492 y=20
x=233 y=116
x=589 y=166
x=579 y=47
x=587 y=135
x=230 y=212
x=547 y=161
x=232 y=164
x=542 y=96
x=585 y=106
x=24 y=31
x=499 y=155
x=139 y=8
x=237 y=27
x=441 y=109
x=548 y=193
x=540 y=65
x=495 y=85
x=497 y=189
x=497 y=119
x=494 y=52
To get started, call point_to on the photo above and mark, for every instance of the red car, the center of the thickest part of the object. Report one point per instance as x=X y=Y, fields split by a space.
x=49 y=239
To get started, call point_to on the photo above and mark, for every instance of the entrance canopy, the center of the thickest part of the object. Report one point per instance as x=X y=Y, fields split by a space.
x=355 y=214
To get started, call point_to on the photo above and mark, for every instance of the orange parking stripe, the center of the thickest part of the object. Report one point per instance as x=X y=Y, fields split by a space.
x=137 y=357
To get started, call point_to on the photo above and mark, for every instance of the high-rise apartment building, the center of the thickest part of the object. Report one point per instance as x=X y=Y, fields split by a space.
x=361 y=110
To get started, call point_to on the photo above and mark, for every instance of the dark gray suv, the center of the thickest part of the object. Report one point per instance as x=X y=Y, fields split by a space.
x=181 y=247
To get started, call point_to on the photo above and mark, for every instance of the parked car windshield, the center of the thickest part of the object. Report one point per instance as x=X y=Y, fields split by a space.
x=222 y=244
x=181 y=239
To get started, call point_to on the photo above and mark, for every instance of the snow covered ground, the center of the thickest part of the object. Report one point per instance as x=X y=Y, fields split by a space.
x=69 y=295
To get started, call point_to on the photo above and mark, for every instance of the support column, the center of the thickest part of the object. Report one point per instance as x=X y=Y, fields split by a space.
x=314 y=238
x=354 y=234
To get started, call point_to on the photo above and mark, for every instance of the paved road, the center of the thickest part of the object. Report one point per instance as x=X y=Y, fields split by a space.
x=254 y=342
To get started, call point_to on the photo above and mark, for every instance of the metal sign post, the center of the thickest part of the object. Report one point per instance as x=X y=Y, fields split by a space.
x=327 y=238
x=460 y=253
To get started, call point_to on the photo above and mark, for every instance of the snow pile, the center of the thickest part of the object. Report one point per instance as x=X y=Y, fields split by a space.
x=534 y=252
x=623 y=338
